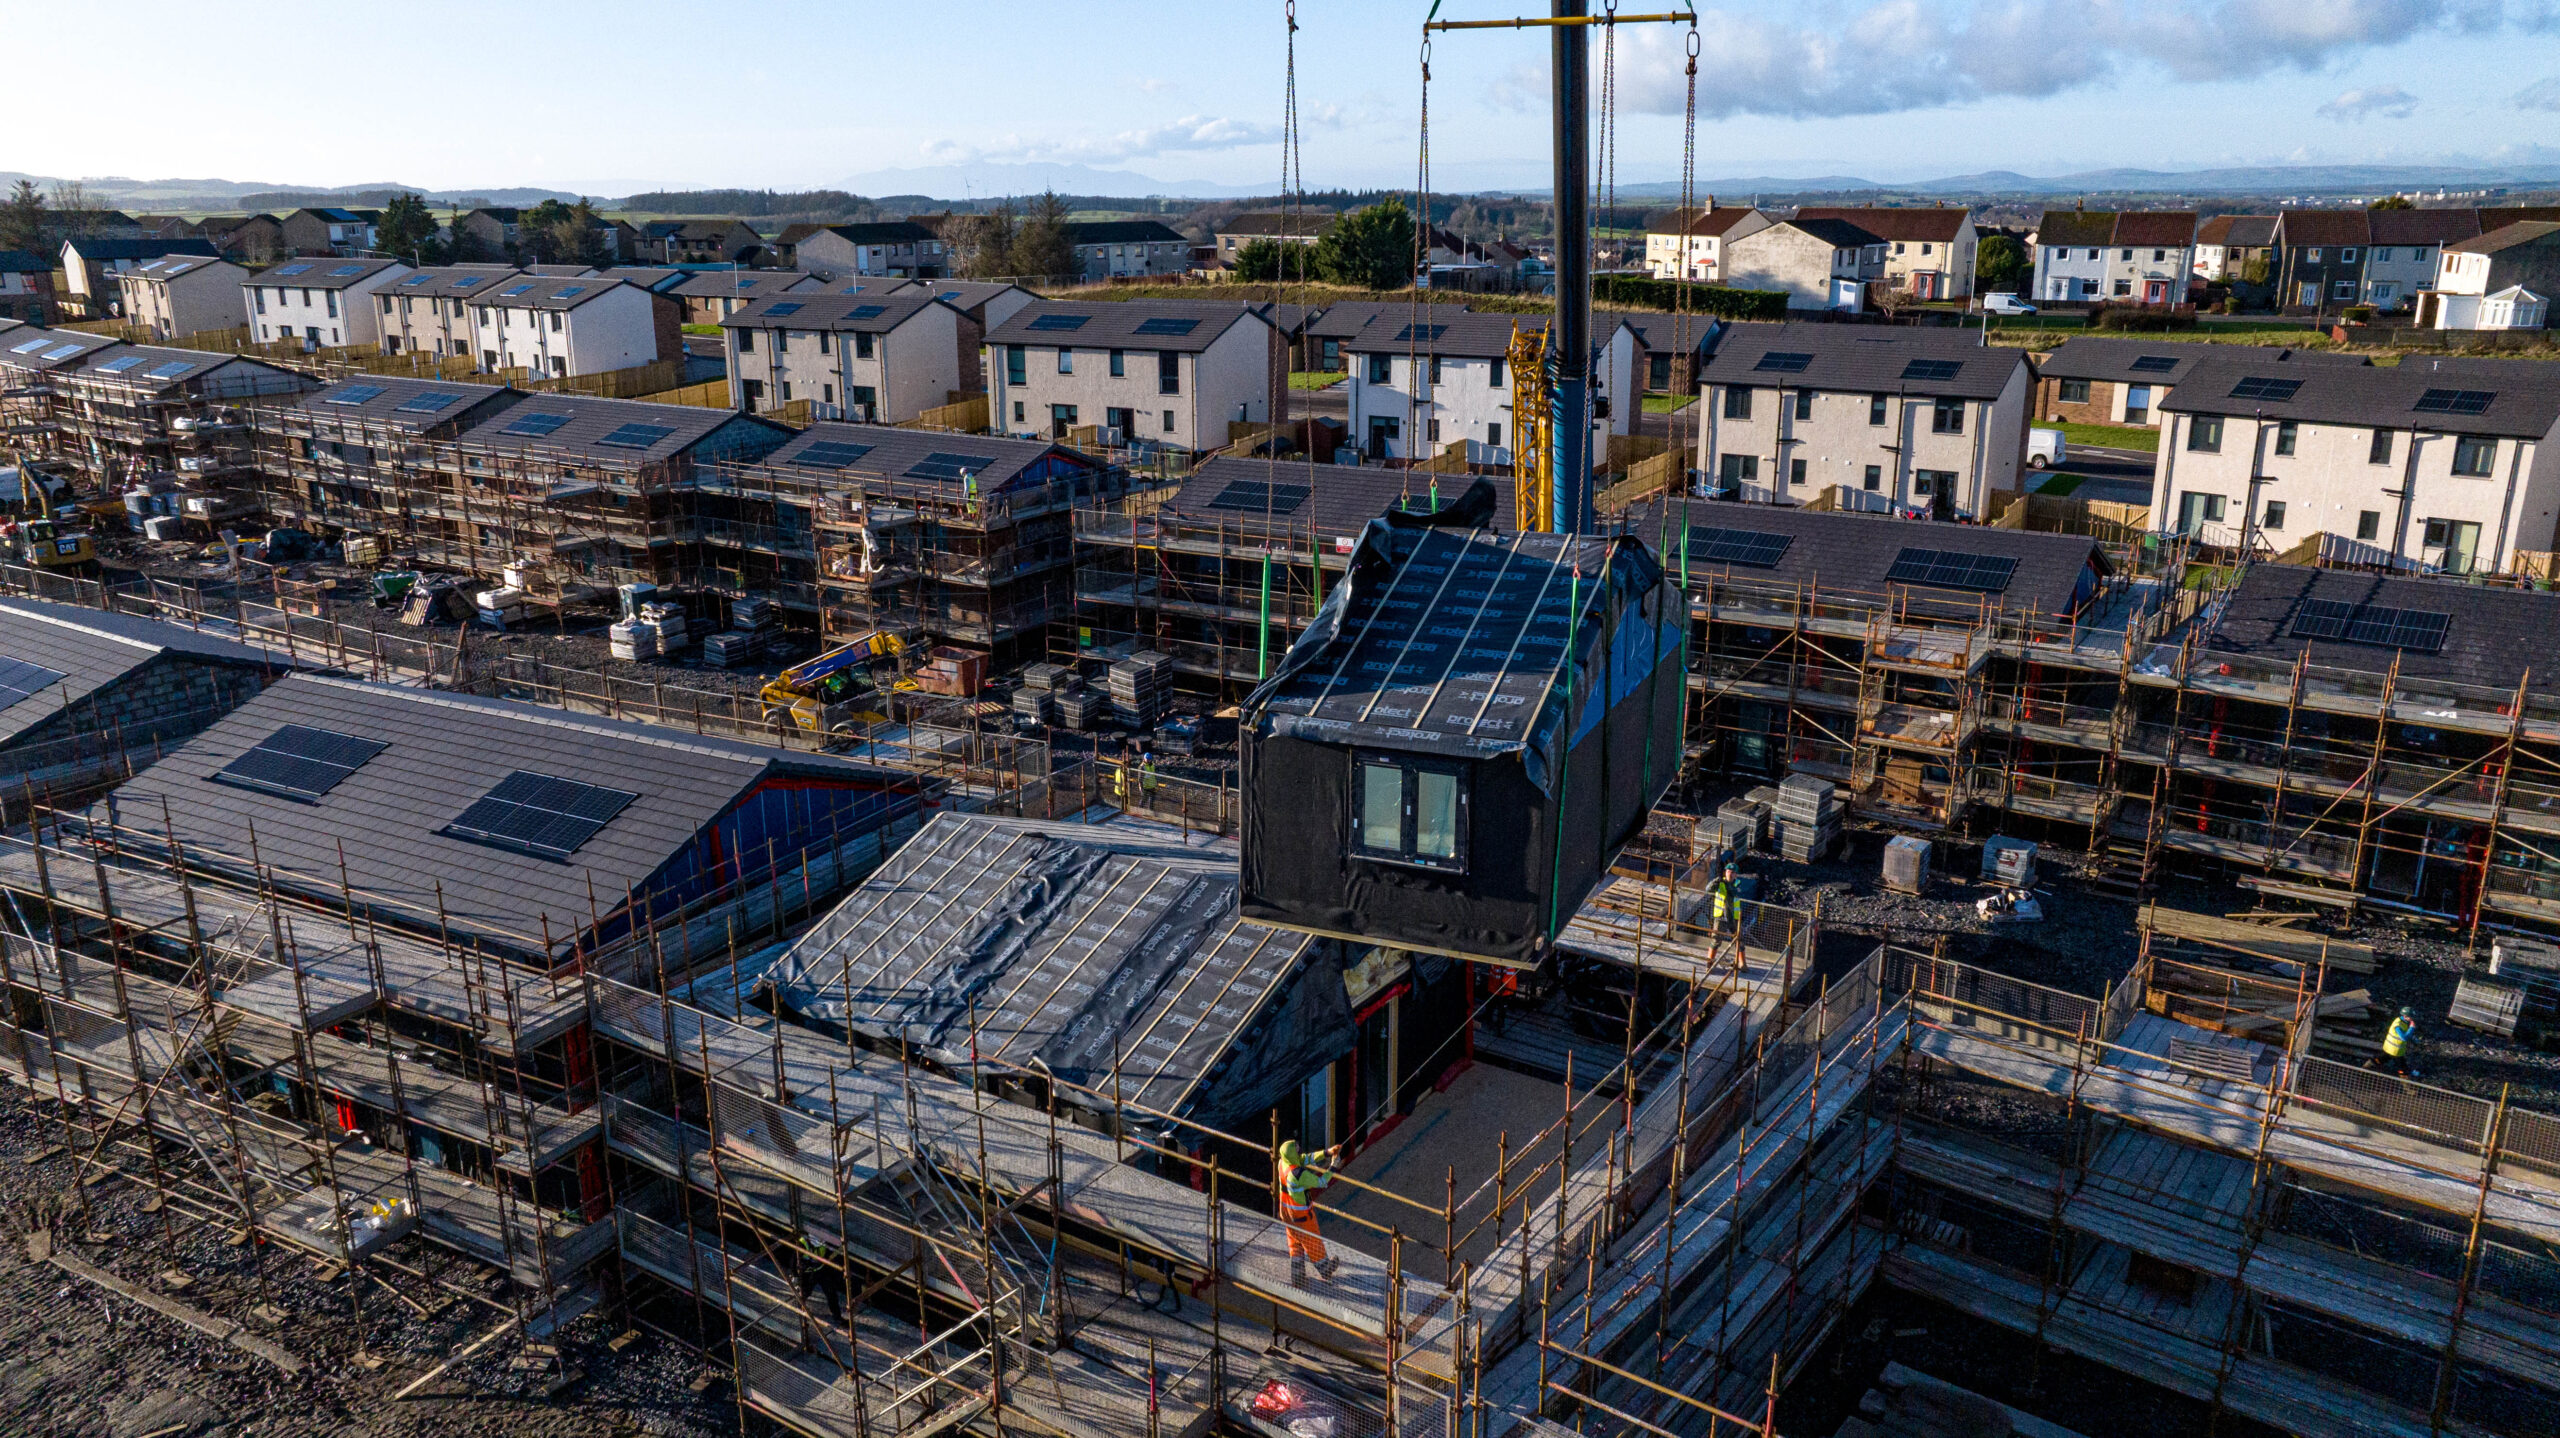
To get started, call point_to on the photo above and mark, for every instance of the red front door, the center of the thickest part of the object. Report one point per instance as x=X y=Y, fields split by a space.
x=2155 y=292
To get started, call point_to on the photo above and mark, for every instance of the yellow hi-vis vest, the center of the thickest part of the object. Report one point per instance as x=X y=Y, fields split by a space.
x=1722 y=892
x=2396 y=1042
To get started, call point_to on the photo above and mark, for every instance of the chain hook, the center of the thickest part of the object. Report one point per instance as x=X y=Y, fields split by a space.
x=1694 y=47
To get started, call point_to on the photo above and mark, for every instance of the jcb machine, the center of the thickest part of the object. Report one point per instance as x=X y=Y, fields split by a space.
x=838 y=689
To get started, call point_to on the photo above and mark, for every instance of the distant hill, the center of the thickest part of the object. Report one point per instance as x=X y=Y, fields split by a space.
x=2235 y=180
x=961 y=182
x=185 y=194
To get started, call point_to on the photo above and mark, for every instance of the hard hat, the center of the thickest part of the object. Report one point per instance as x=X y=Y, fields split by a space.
x=2407 y=1013
x=1289 y=1150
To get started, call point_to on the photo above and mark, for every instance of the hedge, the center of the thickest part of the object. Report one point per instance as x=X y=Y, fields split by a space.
x=1718 y=300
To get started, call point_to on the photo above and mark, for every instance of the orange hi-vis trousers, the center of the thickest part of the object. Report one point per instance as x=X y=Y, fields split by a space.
x=1300 y=1220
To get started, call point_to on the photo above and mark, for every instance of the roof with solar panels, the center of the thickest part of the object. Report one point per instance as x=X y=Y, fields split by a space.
x=414 y=406
x=2449 y=395
x=35 y=347
x=2012 y=569
x=54 y=656
x=624 y=432
x=2429 y=628
x=1180 y=325
x=1929 y=361
x=513 y=809
x=915 y=456
x=870 y=313
x=152 y=367
x=548 y=292
x=321 y=272
x=1336 y=500
x=742 y=284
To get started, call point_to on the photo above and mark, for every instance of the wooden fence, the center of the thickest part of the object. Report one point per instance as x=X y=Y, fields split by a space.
x=969 y=416
x=710 y=394
x=2104 y=520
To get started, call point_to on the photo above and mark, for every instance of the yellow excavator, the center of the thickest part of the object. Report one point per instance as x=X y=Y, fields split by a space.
x=835 y=691
x=51 y=532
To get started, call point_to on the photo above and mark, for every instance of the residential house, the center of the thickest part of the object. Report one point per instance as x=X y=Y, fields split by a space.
x=2094 y=380
x=2321 y=256
x=2447 y=463
x=2069 y=248
x=1929 y=252
x=1669 y=348
x=1818 y=264
x=184 y=295
x=557 y=328
x=697 y=242
x=1302 y=227
x=2503 y=280
x=2226 y=245
x=168 y=227
x=900 y=249
x=120 y=409
x=95 y=688
x=2406 y=246
x=323 y=303
x=1919 y=418
x=96 y=224
x=496 y=229
x=26 y=287
x=331 y=231
x=873 y=361
x=428 y=312
x=1339 y=324
x=248 y=239
x=710 y=296
x=1689 y=244
x=1174 y=373
x=1422 y=383
x=657 y=279
x=1116 y=249
x=90 y=265
x=986 y=304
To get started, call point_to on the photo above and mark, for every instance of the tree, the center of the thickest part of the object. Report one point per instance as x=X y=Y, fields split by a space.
x=982 y=245
x=1999 y=263
x=2393 y=202
x=72 y=212
x=1370 y=249
x=1270 y=259
x=22 y=220
x=407 y=227
x=1042 y=248
x=539 y=233
x=464 y=246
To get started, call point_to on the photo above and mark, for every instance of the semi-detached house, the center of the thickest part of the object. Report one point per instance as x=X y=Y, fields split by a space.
x=898 y=249
x=1900 y=419
x=1424 y=380
x=428 y=311
x=1112 y=249
x=1689 y=244
x=2129 y=257
x=1818 y=264
x=559 y=327
x=1928 y=252
x=183 y=295
x=713 y=295
x=2447 y=463
x=877 y=360
x=322 y=302
x=1168 y=372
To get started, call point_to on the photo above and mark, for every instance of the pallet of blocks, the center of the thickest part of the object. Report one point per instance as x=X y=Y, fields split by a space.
x=1752 y=814
x=1037 y=705
x=1140 y=686
x=1048 y=678
x=1906 y=864
x=2490 y=1005
x=1081 y=707
x=1808 y=818
x=633 y=640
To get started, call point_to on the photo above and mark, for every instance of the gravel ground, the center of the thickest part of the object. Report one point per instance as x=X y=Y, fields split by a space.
x=79 y=1362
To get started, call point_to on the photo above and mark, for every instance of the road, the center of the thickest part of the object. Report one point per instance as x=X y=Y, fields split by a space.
x=2119 y=476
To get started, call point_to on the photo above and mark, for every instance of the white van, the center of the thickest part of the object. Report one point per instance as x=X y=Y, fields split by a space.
x=2045 y=448
x=2006 y=303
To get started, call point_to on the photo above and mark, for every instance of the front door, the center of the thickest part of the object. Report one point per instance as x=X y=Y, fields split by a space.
x=1062 y=418
x=2137 y=404
x=2155 y=292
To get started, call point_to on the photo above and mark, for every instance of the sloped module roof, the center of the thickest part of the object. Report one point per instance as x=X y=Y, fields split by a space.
x=414 y=405
x=1894 y=222
x=443 y=753
x=2491 y=637
x=37 y=348
x=1470 y=644
x=1334 y=500
x=917 y=456
x=1871 y=359
x=743 y=284
x=1123 y=324
x=609 y=431
x=92 y=649
x=320 y=272
x=1856 y=552
x=2516 y=398
x=870 y=314
x=1075 y=948
x=2133 y=361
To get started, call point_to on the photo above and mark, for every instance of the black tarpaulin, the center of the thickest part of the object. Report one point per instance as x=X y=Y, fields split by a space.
x=1309 y=1027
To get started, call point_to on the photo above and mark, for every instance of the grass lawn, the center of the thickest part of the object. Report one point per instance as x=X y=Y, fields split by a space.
x=1315 y=379
x=1668 y=403
x=2060 y=483
x=706 y=331
x=2112 y=436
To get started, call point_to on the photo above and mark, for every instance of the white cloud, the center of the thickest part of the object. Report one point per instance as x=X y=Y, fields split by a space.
x=2388 y=101
x=1874 y=57
x=1190 y=134
x=2540 y=95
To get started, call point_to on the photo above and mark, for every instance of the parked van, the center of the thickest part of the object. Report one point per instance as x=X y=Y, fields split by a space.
x=2006 y=303
x=2045 y=448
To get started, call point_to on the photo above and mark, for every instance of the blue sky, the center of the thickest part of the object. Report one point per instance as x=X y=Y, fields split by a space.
x=606 y=99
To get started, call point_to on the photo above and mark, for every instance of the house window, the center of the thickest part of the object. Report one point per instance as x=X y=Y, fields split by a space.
x=1434 y=430
x=1168 y=421
x=1494 y=369
x=1946 y=416
x=2342 y=290
x=560 y=370
x=2287 y=433
x=2127 y=255
x=2382 y=254
x=866 y=400
x=261 y=297
x=746 y=342
x=1493 y=433
x=827 y=394
x=1804 y=404
x=2368 y=524
x=862 y=346
x=2475 y=455
x=1795 y=473
x=2204 y=434
x=1874 y=478
x=1737 y=470
x=1875 y=409
x=825 y=343
x=1435 y=369
x=2158 y=256
x=2347 y=256
x=2123 y=288
x=1404 y=811
x=1381 y=369
x=1066 y=360
x=2075 y=391
x=2379 y=452
x=1013 y=365
x=2311 y=256
x=333 y=303
x=1737 y=401
x=1119 y=363
x=555 y=321
x=1168 y=372
x=1123 y=420
x=2271 y=516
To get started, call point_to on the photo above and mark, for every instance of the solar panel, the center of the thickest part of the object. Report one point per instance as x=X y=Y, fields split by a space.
x=866 y=312
x=1254 y=496
x=355 y=394
x=637 y=436
x=1784 y=362
x=2454 y=401
x=2322 y=619
x=39 y=342
x=948 y=466
x=1165 y=325
x=434 y=401
x=21 y=680
x=513 y=290
x=415 y=280
x=120 y=364
x=299 y=762
x=1952 y=569
x=539 y=815
x=533 y=424
x=1750 y=547
x=62 y=352
x=779 y=308
x=171 y=370
x=947 y=296
x=342 y=271
x=1060 y=322
x=294 y=270
x=1932 y=369
x=2422 y=630
x=1424 y=333
x=2258 y=386
x=570 y=293
x=2154 y=364
x=465 y=282
x=830 y=454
